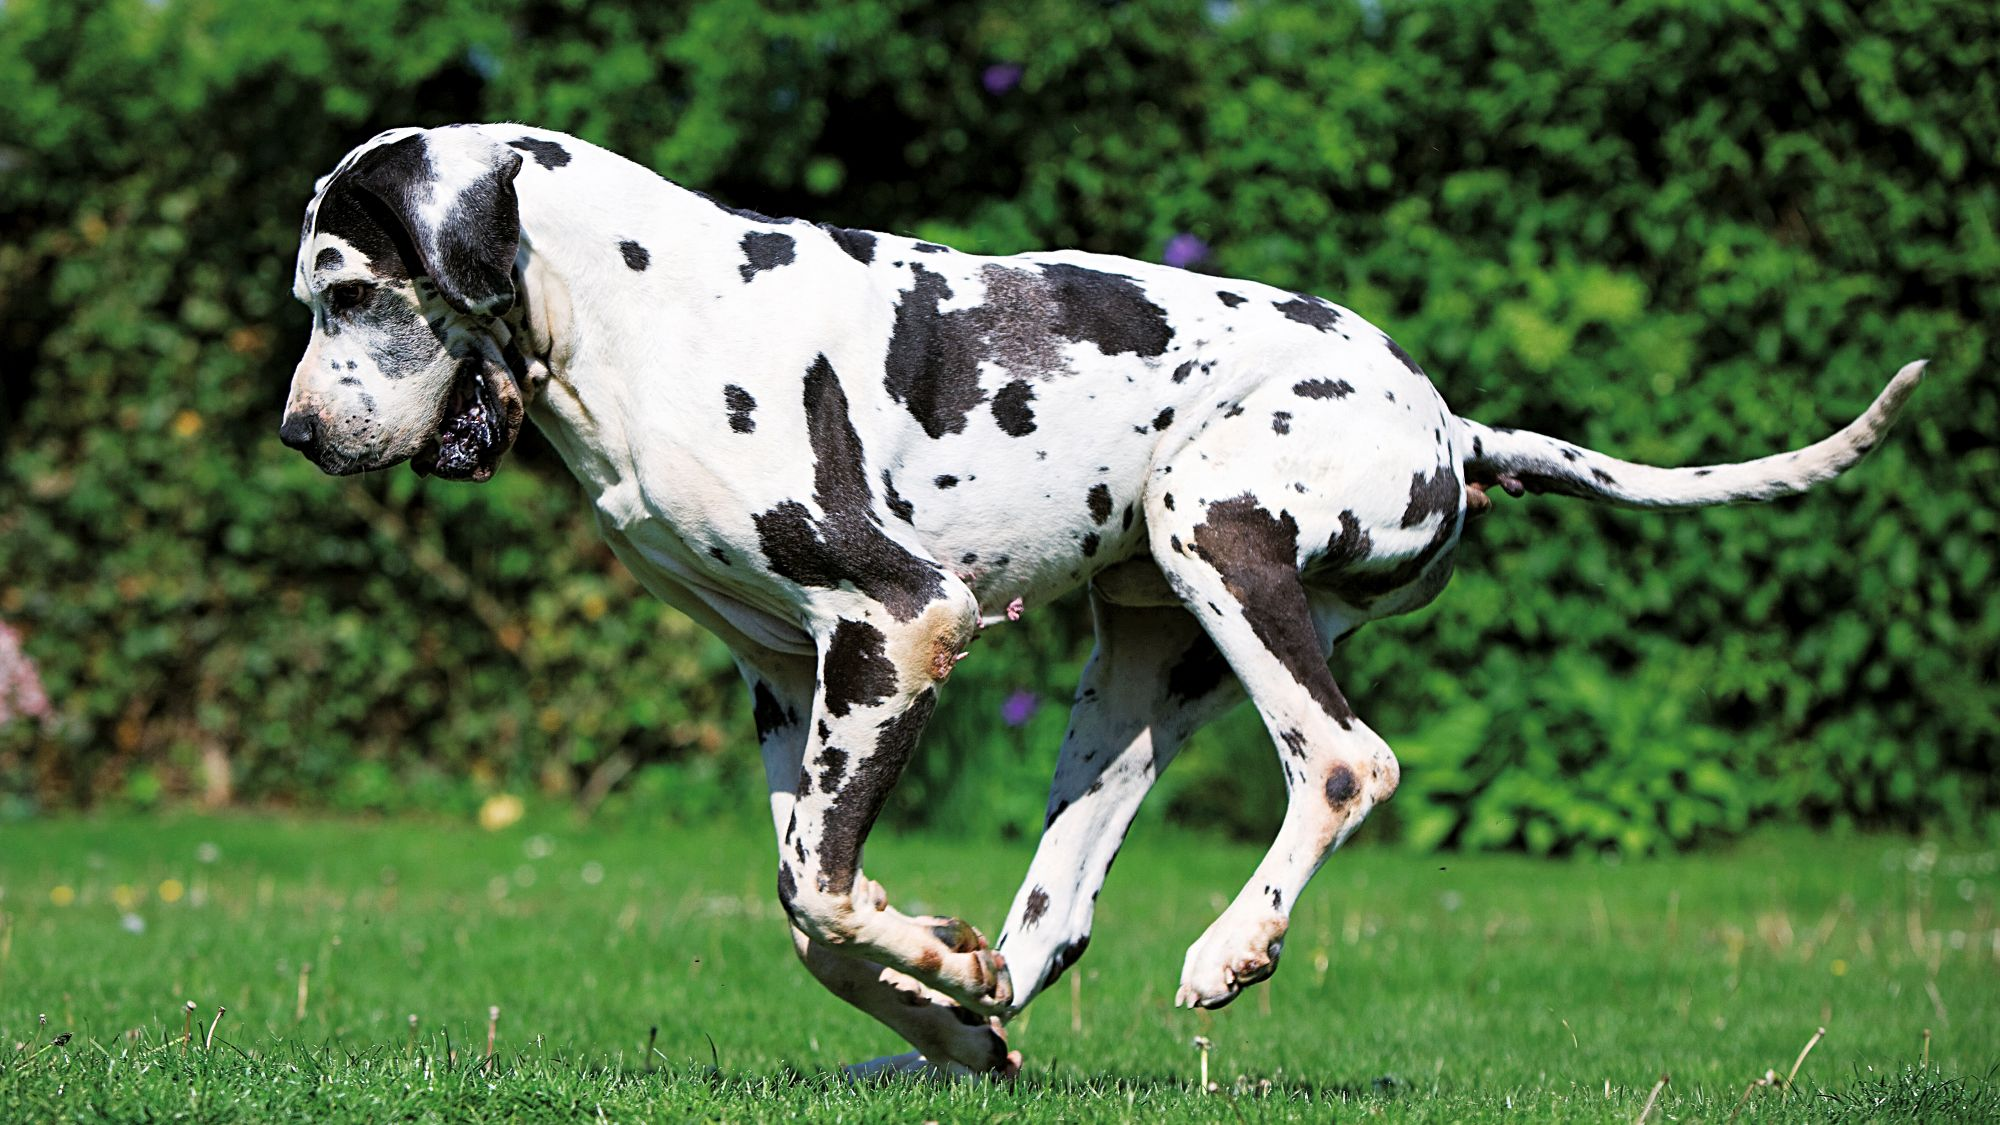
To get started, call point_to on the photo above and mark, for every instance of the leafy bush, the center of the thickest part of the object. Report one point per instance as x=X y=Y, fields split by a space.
x=1676 y=234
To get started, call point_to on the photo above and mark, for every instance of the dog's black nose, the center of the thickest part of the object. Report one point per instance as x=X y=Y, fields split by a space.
x=301 y=432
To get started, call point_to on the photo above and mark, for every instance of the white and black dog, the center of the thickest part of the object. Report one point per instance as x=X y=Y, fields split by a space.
x=846 y=452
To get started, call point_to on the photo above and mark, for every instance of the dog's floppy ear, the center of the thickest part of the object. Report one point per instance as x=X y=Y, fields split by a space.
x=453 y=191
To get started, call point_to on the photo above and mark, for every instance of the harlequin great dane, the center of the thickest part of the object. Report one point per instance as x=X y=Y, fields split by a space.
x=847 y=452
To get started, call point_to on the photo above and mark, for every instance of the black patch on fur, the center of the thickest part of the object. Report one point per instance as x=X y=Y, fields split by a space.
x=930 y=248
x=1281 y=422
x=900 y=508
x=1099 y=502
x=1341 y=786
x=767 y=713
x=548 y=154
x=740 y=404
x=1310 y=310
x=469 y=254
x=1603 y=477
x=1323 y=388
x=1256 y=554
x=934 y=357
x=788 y=885
x=1168 y=501
x=946 y=481
x=1125 y=521
x=1108 y=310
x=858 y=244
x=1568 y=454
x=1402 y=356
x=1199 y=671
x=1061 y=807
x=1703 y=472
x=741 y=212
x=765 y=250
x=328 y=259
x=1038 y=905
x=1348 y=565
x=1011 y=410
x=933 y=363
x=1230 y=299
x=833 y=770
x=1183 y=371
x=845 y=825
x=845 y=544
x=1090 y=543
x=634 y=254
x=1163 y=419
x=720 y=555
x=855 y=672
x=1068 y=955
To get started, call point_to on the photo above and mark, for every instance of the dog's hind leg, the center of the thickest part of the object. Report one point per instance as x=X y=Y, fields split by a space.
x=1235 y=564
x=948 y=1037
x=1152 y=680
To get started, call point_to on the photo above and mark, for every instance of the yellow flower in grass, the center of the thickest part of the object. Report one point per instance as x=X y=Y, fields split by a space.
x=501 y=810
x=62 y=895
x=171 y=890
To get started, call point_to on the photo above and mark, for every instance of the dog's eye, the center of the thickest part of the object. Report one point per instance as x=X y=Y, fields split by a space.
x=346 y=296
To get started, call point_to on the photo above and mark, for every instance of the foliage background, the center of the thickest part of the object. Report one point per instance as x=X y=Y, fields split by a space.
x=1674 y=232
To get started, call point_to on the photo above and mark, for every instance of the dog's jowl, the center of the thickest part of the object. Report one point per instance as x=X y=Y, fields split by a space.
x=847 y=452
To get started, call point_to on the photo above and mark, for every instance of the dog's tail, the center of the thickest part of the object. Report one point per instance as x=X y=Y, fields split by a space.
x=1519 y=461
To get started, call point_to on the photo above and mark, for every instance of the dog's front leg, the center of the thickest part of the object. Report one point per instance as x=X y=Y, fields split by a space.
x=946 y=1035
x=878 y=678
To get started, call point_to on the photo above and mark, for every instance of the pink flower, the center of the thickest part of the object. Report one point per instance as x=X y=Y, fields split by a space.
x=21 y=694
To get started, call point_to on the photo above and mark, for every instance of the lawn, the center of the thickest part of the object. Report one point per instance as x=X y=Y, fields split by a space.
x=1450 y=988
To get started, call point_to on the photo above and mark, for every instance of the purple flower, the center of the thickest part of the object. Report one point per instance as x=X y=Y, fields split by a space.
x=1184 y=250
x=1019 y=707
x=1001 y=77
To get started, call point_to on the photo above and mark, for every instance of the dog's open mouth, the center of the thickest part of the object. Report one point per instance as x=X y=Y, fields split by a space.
x=481 y=420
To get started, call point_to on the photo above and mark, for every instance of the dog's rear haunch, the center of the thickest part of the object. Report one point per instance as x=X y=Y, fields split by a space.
x=845 y=452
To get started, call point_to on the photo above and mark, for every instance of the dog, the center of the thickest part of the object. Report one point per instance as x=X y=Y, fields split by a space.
x=846 y=453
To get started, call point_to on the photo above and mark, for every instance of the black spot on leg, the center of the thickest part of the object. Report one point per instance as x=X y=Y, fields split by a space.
x=1323 y=388
x=740 y=404
x=1038 y=905
x=845 y=544
x=1703 y=472
x=856 y=672
x=1163 y=419
x=1281 y=422
x=1256 y=555
x=1568 y=454
x=1309 y=310
x=1058 y=810
x=833 y=766
x=1230 y=299
x=548 y=154
x=1168 y=500
x=788 y=885
x=1295 y=741
x=1183 y=371
x=1099 y=502
x=845 y=824
x=1341 y=786
x=764 y=250
x=1011 y=410
x=1089 y=546
x=1603 y=477
x=634 y=254
x=902 y=509
x=1125 y=521
x=946 y=481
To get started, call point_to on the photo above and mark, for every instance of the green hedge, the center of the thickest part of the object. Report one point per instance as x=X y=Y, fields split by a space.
x=1672 y=232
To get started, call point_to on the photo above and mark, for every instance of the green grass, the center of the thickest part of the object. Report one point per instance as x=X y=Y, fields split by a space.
x=1419 y=988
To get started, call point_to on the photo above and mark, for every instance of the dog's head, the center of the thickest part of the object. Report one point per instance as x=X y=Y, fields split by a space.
x=407 y=260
